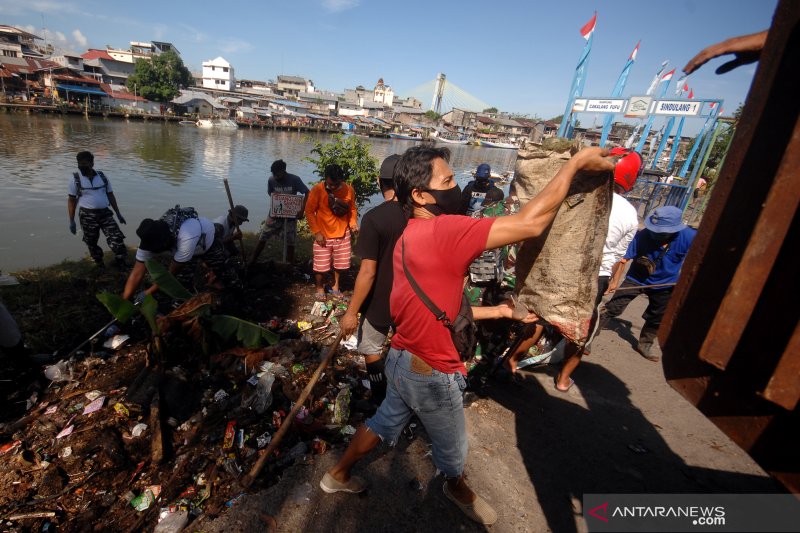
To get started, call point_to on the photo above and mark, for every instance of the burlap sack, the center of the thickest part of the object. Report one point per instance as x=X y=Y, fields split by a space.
x=557 y=272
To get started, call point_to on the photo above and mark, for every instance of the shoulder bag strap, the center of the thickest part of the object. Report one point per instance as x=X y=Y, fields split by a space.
x=438 y=313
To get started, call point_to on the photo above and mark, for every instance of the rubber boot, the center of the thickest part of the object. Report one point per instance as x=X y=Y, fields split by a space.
x=646 y=339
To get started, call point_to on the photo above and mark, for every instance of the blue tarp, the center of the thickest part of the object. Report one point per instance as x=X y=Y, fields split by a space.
x=82 y=90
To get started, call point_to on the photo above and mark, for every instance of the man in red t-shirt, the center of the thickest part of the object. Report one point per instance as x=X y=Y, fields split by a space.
x=425 y=375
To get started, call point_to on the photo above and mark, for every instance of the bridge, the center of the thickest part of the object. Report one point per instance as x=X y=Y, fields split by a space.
x=444 y=95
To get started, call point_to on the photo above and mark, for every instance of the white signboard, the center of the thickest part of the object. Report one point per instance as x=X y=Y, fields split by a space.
x=286 y=205
x=605 y=106
x=579 y=105
x=638 y=106
x=677 y=107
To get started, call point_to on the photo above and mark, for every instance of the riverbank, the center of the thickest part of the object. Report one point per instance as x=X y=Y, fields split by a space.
x=534 y=452
x=57 y=308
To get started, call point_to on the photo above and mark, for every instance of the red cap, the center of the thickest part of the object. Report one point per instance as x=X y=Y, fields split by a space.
x=627 y=168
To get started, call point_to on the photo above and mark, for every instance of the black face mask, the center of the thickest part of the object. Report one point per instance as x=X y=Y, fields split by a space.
x=448 y=202
x=661 y=238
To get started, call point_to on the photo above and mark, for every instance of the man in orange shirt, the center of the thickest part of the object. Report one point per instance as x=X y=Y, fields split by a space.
x=332 y=217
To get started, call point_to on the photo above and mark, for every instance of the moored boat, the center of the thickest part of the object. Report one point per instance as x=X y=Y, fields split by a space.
x=217 y=123
x=495 y=144
x=405 y=136
x=451 y=141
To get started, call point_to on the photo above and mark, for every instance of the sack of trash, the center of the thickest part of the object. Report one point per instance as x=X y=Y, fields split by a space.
x=557 y=272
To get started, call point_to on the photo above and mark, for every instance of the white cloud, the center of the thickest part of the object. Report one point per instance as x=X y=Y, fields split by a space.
x=334 y=6
x=79 y=37
x=47 y=7
x=232 y=46
x=60 y=37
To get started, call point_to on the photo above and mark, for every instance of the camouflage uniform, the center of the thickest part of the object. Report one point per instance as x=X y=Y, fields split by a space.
x=92 y=222
x=216 y=260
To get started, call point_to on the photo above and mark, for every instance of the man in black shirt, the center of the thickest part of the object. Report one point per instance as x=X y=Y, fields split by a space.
x=480 y=192
x=380 y=229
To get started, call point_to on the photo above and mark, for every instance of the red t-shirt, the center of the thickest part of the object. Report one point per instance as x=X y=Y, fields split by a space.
x=438 y=254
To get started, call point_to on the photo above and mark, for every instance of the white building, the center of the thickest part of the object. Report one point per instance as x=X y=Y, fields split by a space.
x=218 y=74
x=383 y=94
x=140 y=50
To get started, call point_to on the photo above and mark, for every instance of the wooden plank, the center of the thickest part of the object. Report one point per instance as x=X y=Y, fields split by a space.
x=784 y=386
x=757 y=261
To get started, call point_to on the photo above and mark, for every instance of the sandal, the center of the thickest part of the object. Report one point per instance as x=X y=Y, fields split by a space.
x=563 y=391
x=479 y=510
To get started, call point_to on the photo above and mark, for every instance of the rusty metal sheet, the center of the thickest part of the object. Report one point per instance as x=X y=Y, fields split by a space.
x=757 y=261
x=784 y=386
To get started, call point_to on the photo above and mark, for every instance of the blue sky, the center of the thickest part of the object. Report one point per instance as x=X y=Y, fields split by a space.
x=516 y=55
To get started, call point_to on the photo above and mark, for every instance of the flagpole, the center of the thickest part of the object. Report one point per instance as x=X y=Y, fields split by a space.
x=676 y=140
x=617 y=92
x=578 y=80
x=695 y=146
x=650 y=90
x=666 y=78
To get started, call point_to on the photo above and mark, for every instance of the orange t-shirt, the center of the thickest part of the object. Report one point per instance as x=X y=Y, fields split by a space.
x=319 y=214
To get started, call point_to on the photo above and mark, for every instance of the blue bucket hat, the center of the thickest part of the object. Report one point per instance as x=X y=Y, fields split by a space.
x=483 y=171
x=664 y=219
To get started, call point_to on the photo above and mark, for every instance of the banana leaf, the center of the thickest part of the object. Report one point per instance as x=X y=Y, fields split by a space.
x=166 y=281
x=249 y=334
x=119 y=307
x=149 y=309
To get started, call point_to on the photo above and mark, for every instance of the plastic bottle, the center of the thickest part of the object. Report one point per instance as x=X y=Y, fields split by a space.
x=263 y=398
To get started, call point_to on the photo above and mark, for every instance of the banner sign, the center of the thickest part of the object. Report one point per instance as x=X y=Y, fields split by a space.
x=638 y=106
x=677 y=107
x=286 y=205
x=605 y=106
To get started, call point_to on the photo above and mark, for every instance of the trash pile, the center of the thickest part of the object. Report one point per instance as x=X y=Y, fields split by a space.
x=114 y=444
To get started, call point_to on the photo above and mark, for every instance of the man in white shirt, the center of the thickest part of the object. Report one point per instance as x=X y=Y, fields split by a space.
x=228 y=228
x=192 y=238
x=91 y=192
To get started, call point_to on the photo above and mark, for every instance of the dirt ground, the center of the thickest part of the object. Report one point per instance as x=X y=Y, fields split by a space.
x=533 y=453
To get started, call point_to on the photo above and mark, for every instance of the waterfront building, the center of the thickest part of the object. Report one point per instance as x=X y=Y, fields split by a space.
x=383 y=94
x=291 y=86
x=200 y=104
x=99 y=64
x=141 y=50
x=319 y=102
x=218 y=74
x=17 y=43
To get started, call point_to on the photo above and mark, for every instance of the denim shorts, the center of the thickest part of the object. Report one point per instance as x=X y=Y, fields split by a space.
x=370 y=338
x=436 y=399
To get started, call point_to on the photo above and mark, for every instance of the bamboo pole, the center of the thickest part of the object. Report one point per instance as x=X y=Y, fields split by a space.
x=230 y=202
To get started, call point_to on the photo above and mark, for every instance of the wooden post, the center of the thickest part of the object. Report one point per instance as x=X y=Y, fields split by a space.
x=230 y=202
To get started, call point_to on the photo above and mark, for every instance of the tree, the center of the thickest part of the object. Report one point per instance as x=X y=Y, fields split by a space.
x=360 y=168
x=433 y=115
x=161 y=78
x=557 y=119
x=490 y=110
x=723 y=141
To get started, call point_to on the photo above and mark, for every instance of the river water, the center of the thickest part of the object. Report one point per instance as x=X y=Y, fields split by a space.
x=152 y=166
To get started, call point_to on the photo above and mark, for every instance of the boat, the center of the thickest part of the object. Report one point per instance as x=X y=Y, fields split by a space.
x=451 y=141
x=405 y=136
x=494 y=144
x=223 y=123
x=187 y=123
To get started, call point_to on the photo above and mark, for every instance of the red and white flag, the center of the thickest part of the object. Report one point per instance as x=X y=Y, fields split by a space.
x=691 y=94
x=588 y=28
x=635 y=51
x=668 y=75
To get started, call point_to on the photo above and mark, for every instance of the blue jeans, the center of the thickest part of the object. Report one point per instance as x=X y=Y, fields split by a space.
x=436 y=399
